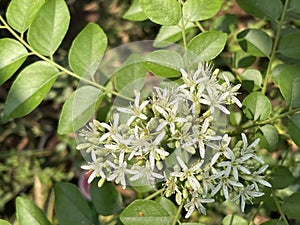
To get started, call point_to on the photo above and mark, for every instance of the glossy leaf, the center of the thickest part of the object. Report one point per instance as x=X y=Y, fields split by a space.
x=79 y=109
x=267 y=9
x=4 y=222
x=242 y=59
x=234 y=220
x=268 y=136
x=49 y=27
x=257 y=106
x=251 y=79
x=106 y=199
x=192 y=224
x=255 y=42
x=87 y=50
x=130 y=76
x=291 y=207
x=135 y=12
x=195 y=10
x=164 y=63
x=208 y=45
x=29 y=89
x=281 y=178
x=294 y=128
x=295 y=5
x=274 y=222
x=165 y=12
x=12 y=56
x=70 y=206
x=170 y=34
x=29 y=214
x=225 y=23
x=20 y=13
x=168 y=205
x=289 y=45
x=145 y=212
x=289 y=82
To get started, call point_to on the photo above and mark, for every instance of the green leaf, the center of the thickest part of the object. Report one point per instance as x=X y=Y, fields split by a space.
x=130 y=76
x=195 y=10
x=289 y=45
x=70 y=207
x=268 y=135
x=257 y=106
x=12 y=56
x=170 y=34
x=235 y=118
x=225 y=23
x=291 y=207
x=29 y=89
x=4 y=222
x=274 y=222
x=49 y=27
x=135 y=12
x=87 y=50
x=267 y=9
x=281 y=178
x=192 y=224
x=20 y=13
x=103 y=204
x=165 y=12
x=255 y=42
x=168 y=205
x=251 y=79
x=242 y=59
x=145 y=212
x=29 y=214
x=294 y=128
x=289 y=82
x=295 y=5
x=164 y=63
x=234 y=220
x=208 y=45
x=79 y=109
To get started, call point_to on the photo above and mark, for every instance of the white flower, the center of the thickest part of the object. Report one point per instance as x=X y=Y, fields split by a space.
x=119 y=171
x=188 y=173
x=196 y=203
x=214 y=100
x=222 y=149
x=95 y=166
x=113 y=129
x=248 y=148
x=170 y=116
x=203 y=136
x=135 y=110
x=225 y=183
x=146 y=171
x=229 y=92
x=246 y=194
x=234 y=165
x=154 y=149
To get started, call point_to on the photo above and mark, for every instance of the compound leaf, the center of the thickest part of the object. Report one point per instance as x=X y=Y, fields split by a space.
x=29 y=89
x=49 y=27
x=12 y=56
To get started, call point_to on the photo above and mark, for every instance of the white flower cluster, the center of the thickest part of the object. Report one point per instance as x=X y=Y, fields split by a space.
x=169 y=140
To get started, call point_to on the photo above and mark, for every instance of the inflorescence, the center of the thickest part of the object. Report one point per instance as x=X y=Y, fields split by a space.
x=171 y=139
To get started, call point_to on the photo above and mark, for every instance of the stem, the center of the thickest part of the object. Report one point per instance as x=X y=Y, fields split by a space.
x=177 y=215
x=279 y=208
x=267 y=121
x=276 y=41
x=66 y=71
x=200 y=26
x=155 y=194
